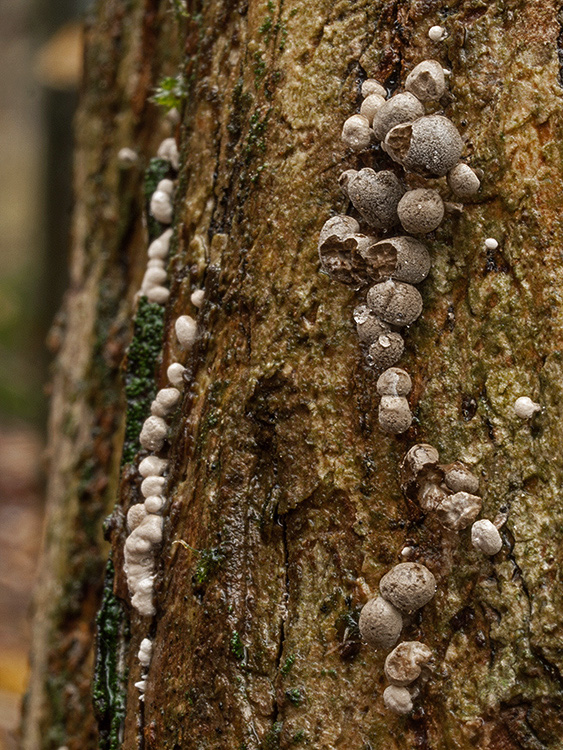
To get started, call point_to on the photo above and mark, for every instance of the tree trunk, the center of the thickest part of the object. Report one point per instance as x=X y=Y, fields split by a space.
x=285 y=505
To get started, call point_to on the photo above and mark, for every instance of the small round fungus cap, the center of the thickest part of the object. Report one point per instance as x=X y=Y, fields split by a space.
x=430 y=145
x=152 y=466
x=159 y=247
x=386 y=350
x=356 y=132
x=153 y=433
x=459 y=510
x=408 y=586
x=135 y=516
x=400 y=108
x=463 y=181
x=152 y=485
x=127 y=157
x=197 y=297
x=168 y=150
x=145 y=652
x=436 y=33
x=485 y=537
x=397 y=699
x=186 y=331
x=394 y=382
x=376 y=196
x=404 y=664
x=491 y=243
x=380 y=623
x=161 y=206
x=339 y=226
x=175 y=374
x=370 y=86
x=395 y=302
x=525 y=408
x=368 y=325
x=421 y=211
x=394 y=414
x=458 y=478
x=421 y=456
x=400 y=258
x=158 y=294
x=370 y=105
x=427 y=81
x=154 y=503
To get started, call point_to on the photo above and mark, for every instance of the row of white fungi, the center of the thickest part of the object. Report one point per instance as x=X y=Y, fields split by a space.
x=145 y=518
x=429 y=146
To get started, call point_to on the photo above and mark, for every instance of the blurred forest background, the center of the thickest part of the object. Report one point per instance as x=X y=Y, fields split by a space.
x=40 y=59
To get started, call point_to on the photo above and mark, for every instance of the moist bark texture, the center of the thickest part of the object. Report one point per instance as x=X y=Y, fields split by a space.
x=284 y=492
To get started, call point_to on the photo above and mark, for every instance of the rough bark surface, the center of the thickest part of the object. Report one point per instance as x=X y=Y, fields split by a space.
x=284 y=492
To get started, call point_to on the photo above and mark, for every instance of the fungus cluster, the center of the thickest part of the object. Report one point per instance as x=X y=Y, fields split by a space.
x=364 y=249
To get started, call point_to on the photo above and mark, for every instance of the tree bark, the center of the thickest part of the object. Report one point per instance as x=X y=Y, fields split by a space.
x=285 y=499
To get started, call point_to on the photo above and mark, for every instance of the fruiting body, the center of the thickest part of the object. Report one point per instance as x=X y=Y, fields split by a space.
x=404 y=664
x=430 y=145
x=169 y=150
x=394 y=414
x=154 y=503
x=370 y=86
x=165 y=401
x=145 y=652
x=400 y=108
x=356 y=133
x=525 y=408
x=161 y=202
x=186 y=331
x=491 y=243
x=127 y=157
x=394 y=382
x=175 y=374
x=401 y=258
x=370 y=105
x=197 y=297
x=397 y=699
x=152 y=485
x=421 y=456
x=408 y=586
x=153 y=433
x=152 y=466
x=135 y=515
x=158 y=294
x=459 y=510
x=436 y=33
x=159 y=247
x=395 y=302
x=459 y=479
x=421 y=210
x=426 y=81
x=485 y=537
x=386 y=351
x=463 y=181
x=376 y=196
x=380 y=623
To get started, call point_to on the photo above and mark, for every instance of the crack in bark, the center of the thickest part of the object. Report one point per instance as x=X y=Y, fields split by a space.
x=281 y=644
x=560 y=46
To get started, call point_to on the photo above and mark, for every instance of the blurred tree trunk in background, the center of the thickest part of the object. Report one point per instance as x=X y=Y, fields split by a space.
x=281 y=483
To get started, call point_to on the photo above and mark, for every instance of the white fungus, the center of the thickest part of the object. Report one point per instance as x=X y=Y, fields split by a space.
x=141 y=685
x=404 y=664
x=408 y=586
x=421 y=210
x=127 y=157
x=168 y=150
x=397 y=699
x=459 y=510
x=370 y=86
x=152 y=466
x=154 y=503
x=400 y=108
x=491 y=243
x=165 y=401
x=135 y=515
x=139 y=562
x=158 y=294
x=525 y=408
x=426 y=81
x=186 y=331
x=152 y=485
x=380 y=623
x=145 y=652
x=161 y=206
x=485 y=537
x=159 y=247
x=356 y=132
x=197 y=297
x=463 y=181
x=175 y=374
x=394 y=414
x=370 y=105
x=153 y=277
x=155 y=263
x=153 y=433
x=436 y=33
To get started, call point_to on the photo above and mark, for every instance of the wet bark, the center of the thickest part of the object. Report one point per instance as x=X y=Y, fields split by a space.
x=282 y=489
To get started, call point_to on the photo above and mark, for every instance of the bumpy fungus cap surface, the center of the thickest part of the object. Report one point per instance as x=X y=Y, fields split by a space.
x=400 y=108
x=370 y=105
x=426 y=81
x=421 y=210
x=370 y=86
x=525 y=408
x=404 y=664
x=368 y=325
x=394 y=382
x=152 y=466
x=186 y=331
x=356 y=132
x=485 y=537
x=400 y=258
x=386 y=351
x=152 y=485
x=380 y=623
x=394 y=414
x=376 y=196
x=408 y=586
x=430 y=145
x=463 y=181
x=418 y=458
x=397 y=699
x=175 y=374
x=153 y=433
x=459 y=510
x=458 y=478
x=395 y=302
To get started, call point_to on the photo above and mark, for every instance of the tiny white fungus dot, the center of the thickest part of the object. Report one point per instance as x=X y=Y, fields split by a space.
x=525 y=408
x=197 y=297
x=175 y=374
x=436 y=33
x=491 y=243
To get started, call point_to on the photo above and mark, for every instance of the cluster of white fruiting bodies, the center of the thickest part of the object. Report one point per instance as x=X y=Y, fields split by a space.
x=145 y=518
x=450 y=492
x=427 y=145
